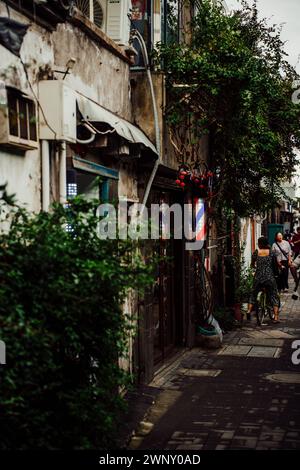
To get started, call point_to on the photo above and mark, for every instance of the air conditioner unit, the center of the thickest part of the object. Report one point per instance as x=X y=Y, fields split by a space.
x=17 y=119
x=57 y=111
x=117 y=21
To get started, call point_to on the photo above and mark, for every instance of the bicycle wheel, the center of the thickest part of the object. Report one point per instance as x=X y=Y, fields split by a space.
x=203 y=292
x=260 y=308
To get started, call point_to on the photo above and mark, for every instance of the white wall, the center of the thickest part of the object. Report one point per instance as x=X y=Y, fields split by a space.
x=22 y=173
x=246 y=238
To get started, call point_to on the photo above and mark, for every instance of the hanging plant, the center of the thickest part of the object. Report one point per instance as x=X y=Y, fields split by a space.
x=184 y=176
x=199 y=179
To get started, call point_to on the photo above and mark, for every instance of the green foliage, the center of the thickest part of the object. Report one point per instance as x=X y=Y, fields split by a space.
x=244 y=277
x=236 y=86
x=61 y=319
x=245 y=284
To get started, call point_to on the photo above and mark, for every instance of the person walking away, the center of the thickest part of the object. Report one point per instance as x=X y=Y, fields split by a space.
x=265 y=261
x=283 y=252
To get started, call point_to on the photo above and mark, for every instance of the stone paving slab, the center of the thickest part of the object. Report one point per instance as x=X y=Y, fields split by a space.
x=250 y=351
x=235 y=350
x=243 y=396
x=261 y=351
x=199 y=372
x=261 y=342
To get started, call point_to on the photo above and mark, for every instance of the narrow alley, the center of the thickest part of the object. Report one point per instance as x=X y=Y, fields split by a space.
x=242 y=396
x=149 y=189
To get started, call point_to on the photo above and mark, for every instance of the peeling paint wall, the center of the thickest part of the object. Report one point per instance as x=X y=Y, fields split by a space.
x=36 y=52
x=142 y=105
x=22 y=173
x=128 y=184
x=142 y=108
x=98 y=73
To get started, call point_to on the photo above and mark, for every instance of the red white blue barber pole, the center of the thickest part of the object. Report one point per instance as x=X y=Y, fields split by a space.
x=200 y=229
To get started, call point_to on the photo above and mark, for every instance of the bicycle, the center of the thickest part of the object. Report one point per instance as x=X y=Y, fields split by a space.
x=203 y=291
x=263 y=308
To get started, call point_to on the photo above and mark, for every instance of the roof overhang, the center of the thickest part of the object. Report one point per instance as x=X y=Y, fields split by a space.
x=93 y=112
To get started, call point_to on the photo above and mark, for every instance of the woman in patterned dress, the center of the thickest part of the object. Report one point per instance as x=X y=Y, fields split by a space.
x=263 y=260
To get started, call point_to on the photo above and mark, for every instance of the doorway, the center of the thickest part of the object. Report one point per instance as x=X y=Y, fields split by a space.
x=168 y=295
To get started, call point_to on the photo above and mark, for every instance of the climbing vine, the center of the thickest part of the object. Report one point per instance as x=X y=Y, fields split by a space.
x=230 y=81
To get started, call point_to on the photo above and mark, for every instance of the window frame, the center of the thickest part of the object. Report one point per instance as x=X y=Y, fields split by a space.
x=15 y=129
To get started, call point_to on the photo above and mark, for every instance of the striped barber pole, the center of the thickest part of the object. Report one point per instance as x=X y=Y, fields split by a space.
x=200 y=215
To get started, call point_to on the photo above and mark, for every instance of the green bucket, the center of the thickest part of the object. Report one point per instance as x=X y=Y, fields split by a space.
x=207 y=331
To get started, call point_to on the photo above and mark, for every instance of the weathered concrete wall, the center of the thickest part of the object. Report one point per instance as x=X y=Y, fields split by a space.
x=36 y=52
x=22 y=173
x=98 y=74
x=143 y=115
x=128 y=184
x=142 y=105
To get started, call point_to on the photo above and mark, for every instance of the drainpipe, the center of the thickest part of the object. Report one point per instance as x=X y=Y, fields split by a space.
x=136 y=35
x=63 y=174
x=45 y=175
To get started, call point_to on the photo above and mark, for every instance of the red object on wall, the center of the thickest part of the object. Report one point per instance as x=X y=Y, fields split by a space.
x=138 y=10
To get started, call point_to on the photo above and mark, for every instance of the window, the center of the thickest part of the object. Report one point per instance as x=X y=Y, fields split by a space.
x=91 y=181
x=171 y=16
x=22 y=115
x=92 y=9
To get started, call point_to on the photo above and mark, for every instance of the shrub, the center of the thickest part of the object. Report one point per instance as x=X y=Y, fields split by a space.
x=61 y=293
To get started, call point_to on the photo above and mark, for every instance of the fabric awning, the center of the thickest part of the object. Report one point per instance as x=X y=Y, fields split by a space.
x=93 y=112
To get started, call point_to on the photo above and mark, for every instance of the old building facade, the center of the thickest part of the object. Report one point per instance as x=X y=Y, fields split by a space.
x=76 y=105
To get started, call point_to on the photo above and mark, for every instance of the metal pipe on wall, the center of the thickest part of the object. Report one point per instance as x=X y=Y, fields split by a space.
x=45 y=175
x=63 y=174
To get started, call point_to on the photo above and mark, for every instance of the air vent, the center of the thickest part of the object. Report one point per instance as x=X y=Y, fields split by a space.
x=93 y=10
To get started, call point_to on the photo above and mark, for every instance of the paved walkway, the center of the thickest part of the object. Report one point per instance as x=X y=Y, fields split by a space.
x=243 y=396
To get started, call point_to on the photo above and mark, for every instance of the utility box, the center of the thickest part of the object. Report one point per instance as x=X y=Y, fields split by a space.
x=57 y=111
x=272 y=229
